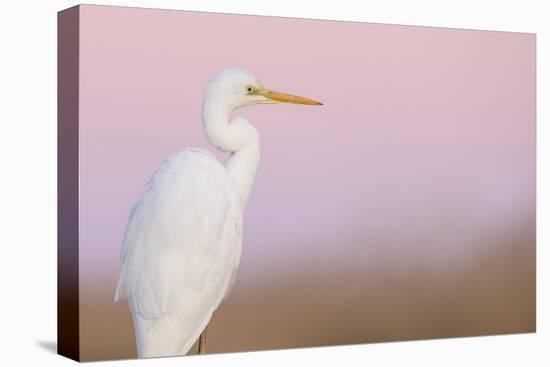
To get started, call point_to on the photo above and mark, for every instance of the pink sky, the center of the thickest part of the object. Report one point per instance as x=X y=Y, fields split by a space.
x=422 y=157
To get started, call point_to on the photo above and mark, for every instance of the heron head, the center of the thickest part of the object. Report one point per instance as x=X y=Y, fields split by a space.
x=238 y=88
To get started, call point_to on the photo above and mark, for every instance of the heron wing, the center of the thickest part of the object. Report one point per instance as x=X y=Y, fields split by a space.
x=182 y=242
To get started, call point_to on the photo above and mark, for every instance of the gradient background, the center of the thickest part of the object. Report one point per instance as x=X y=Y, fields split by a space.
x=404 y=208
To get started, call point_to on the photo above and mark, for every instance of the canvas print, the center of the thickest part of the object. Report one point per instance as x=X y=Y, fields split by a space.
x=233 y=183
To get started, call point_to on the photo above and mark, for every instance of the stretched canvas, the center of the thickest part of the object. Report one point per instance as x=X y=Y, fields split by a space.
x=393 y=197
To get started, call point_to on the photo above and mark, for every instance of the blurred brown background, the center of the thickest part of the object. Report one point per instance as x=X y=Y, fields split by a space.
x=492 y=293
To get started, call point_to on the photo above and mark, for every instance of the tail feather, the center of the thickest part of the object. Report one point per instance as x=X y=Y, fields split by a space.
x=119 y=292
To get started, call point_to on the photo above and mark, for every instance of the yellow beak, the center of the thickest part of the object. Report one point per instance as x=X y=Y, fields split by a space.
x=287 y=98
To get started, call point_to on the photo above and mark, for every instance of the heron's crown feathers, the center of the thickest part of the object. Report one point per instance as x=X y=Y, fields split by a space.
x=231 y=76
x=232 y=73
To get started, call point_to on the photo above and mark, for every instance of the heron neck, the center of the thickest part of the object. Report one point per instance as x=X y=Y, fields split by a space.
x=239 y=138
x=242 y=166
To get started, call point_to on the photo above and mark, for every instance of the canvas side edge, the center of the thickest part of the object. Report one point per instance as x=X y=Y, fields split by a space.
x=68 y=330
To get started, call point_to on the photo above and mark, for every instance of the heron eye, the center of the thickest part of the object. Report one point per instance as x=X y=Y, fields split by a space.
x=249 y=89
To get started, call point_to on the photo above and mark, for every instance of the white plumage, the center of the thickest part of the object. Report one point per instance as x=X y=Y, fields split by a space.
x=183 y=239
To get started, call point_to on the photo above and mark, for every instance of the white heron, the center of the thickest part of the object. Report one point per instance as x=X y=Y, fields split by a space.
x=183 y=239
